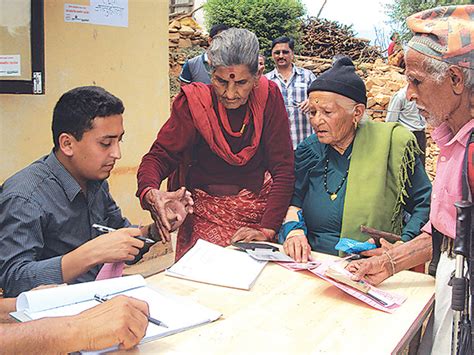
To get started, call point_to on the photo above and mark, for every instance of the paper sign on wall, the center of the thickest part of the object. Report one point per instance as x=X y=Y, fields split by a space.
x=76 y=13
x=10 y=65
x=109 y=12
x=100 y=12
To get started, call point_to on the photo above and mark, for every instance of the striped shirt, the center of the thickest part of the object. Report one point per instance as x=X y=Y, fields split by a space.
x=43 y=215
x=294 y=91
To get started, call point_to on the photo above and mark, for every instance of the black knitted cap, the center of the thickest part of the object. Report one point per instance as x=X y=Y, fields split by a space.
x=343 y=80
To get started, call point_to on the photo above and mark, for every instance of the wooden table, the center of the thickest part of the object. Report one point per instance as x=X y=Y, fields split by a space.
x=296 y=313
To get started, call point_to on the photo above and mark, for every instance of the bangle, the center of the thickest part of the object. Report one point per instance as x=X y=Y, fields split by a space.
x=392 y=263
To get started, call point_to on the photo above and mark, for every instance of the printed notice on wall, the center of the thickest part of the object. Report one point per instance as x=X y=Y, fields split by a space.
x=76 y=13
x=10 y=65
x=100 y=12
x=109 y=12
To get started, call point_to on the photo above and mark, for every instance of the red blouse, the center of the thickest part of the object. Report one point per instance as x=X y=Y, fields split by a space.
x=274 y=154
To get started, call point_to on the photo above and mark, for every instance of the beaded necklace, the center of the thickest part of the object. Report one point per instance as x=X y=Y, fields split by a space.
x=332 y=195
x=226 y=123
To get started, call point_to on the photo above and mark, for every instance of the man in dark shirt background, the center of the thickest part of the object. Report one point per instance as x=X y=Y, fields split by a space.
x=197 y=69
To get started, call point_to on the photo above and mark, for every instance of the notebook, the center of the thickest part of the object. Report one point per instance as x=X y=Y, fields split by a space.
x=209 y=263
x=178 y=313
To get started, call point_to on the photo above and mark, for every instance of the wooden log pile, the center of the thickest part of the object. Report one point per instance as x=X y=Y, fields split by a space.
x=382 y=82
x=324 y=39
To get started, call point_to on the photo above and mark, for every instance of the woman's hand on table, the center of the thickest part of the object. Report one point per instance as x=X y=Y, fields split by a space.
x=297 y=247
x=384 y=246
x=374 y=270
x=247 y=234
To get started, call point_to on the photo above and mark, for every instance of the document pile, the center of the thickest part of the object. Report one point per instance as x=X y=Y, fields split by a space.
x=335 y=273
x=178 y=313
x=209 y=263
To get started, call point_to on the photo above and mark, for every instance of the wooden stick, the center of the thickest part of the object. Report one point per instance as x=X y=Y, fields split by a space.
x=376 y=234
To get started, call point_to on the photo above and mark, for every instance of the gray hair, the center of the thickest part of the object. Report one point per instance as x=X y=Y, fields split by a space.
x=438 y=70
x=234 y=46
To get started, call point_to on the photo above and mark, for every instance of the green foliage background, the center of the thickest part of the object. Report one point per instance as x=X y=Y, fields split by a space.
x=268 y=19
x=399 y=10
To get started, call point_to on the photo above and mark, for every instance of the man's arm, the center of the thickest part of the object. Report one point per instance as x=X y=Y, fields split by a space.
x=394 y=108
x=121 y=321
x=185 y=77
x=7 y=305
x=401 y=257
x=22 y=242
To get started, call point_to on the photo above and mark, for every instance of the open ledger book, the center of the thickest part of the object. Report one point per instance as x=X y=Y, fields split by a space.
x=209 y=263
x=178 y=313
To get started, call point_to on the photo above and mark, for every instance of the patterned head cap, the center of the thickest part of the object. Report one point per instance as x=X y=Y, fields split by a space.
x=445 y=33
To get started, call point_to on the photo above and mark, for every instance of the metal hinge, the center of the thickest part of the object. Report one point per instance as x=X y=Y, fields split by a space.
x=37 y=83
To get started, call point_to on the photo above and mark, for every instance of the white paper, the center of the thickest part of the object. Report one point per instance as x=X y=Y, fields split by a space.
x=76 y=13
x=44 y=299
x=109 y=12
x=10 y=65
x=178 y=313
x=210 y=263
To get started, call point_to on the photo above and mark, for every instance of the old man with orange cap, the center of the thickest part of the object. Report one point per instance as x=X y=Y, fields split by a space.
x=439 y=68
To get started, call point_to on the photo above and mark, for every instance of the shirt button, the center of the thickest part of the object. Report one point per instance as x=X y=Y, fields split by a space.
x=443 y=158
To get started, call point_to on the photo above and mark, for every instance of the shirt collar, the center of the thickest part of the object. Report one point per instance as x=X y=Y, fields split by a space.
x=443 y=136
x=68 y=183
x=205 y=57
x=294 y=70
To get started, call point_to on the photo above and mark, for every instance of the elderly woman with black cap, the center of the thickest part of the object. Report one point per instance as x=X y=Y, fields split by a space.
x=352 y=172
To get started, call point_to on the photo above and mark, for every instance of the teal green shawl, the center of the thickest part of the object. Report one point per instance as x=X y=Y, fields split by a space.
x=382 y=156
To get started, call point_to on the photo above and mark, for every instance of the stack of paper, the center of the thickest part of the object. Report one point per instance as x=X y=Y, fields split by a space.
x=212 y=264
x=373 y=296
x=176 y=312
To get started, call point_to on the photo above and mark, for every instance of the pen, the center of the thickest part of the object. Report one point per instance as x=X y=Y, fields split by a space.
x=106 y=229
x=155 y=321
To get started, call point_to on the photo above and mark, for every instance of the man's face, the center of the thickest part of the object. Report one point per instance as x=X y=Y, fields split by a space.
x=94 y=156
x=434 y=100
x=233 y=85
x=282 y=55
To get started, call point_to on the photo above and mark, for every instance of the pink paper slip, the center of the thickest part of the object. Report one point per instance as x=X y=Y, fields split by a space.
x=375 y=298
x=300 y=266
x=110 y=270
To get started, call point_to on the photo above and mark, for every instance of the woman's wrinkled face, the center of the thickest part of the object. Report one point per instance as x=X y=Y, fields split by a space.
x=331 y=118
x=233 y=84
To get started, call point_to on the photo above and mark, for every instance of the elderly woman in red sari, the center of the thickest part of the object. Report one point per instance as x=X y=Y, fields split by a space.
x=231 y=144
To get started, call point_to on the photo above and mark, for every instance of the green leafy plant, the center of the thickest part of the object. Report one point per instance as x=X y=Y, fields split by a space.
x=268 y=19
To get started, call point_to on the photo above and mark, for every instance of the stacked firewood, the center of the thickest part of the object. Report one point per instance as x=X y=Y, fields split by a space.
x=324 y=39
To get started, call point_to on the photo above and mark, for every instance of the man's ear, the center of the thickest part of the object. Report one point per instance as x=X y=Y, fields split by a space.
x=457 y=80
x=66 y=144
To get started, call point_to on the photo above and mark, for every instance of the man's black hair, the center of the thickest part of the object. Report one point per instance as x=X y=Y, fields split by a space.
x=75 y=111
x=216 y=29
x=284 y=39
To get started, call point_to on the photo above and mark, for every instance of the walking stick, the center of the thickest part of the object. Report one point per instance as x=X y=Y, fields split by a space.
x=462 y=337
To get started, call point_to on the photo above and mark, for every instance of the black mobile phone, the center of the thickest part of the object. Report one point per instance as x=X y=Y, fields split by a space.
x=253 y=246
